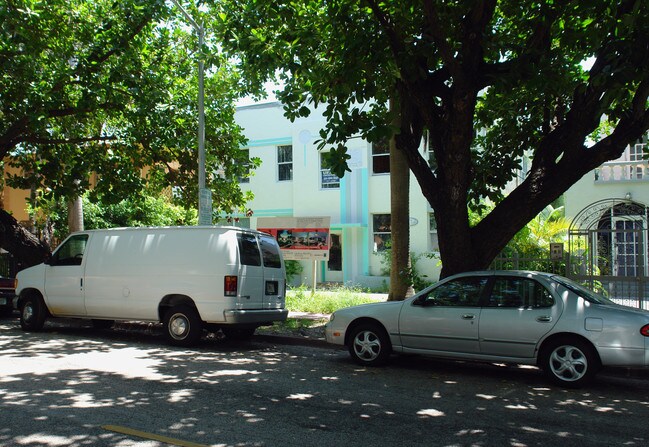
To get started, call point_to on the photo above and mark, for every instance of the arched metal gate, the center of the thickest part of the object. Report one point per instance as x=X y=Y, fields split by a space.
x=608 y=250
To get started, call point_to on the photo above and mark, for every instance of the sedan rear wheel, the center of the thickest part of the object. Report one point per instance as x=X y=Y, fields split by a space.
x=571 y=363
x=369 y=345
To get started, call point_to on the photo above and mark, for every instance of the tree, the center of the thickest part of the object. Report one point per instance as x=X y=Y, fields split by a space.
x=400 y=278
x=108 y=88
x=490 y=81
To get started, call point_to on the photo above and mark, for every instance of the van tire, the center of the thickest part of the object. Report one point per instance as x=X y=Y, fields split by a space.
x=32 y=313
x=183 y=326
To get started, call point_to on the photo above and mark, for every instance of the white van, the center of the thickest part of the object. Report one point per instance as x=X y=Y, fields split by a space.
x=189 y=278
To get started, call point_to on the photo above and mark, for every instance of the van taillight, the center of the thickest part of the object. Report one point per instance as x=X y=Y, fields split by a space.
x=644 y=330
x=230 y=286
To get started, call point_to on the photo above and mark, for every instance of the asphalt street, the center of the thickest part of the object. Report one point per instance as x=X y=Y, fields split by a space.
x=74 y=386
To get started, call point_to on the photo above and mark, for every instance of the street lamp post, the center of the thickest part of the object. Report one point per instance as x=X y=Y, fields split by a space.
x=204 y=195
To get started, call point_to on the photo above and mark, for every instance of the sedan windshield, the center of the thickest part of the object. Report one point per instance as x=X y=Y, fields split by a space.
x=582 y=291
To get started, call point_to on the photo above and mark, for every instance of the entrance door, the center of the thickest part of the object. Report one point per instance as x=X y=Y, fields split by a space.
x=335 y=263
x=629 y=249
x=64 y=278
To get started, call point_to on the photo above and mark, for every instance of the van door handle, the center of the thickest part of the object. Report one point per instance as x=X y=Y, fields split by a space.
x=81 y=282
x=468 y=317
x=245 y=297
x=545 y=319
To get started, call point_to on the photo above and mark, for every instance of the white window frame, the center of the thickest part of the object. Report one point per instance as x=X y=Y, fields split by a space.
x=283 y=163
x=381 y=155
x=433 y=238
x=246 y=179
x=381 y=236
x=328 y=180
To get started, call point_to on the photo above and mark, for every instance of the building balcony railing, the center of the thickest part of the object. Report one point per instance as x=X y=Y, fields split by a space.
x=622 y=171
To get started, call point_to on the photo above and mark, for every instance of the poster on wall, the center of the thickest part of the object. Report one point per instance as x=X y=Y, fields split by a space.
x=300 y=238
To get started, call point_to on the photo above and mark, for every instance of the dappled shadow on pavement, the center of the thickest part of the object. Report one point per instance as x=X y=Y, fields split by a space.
x=61 y=386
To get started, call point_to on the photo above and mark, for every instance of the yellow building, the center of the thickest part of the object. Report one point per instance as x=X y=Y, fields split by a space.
x=12 y=200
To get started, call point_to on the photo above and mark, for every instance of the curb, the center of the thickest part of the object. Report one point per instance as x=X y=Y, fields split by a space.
x=295 y=341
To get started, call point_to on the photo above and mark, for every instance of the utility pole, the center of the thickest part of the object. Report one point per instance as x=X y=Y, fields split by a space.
x=204 y=195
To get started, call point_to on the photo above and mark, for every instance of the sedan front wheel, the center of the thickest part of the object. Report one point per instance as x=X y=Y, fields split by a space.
x=369 y=345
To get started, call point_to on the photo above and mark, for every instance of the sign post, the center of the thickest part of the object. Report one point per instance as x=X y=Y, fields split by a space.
x=300 y=238
x=205 y=207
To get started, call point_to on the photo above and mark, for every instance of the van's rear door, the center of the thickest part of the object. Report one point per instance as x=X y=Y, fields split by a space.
x=251 y=273
x=274 y=273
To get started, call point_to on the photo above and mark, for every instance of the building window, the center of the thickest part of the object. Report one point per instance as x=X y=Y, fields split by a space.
x=245 y=156
x=432 y=225
x=428 y=152
x=381 y=231
x=285 y=163
x=328 y=180
x=381 y=157
x=636 y=152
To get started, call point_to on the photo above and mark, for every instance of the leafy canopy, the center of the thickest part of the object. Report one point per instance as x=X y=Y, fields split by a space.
x=110 y=88
x=489 y=82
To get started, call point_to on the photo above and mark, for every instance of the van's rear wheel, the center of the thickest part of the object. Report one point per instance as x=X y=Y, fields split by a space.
x=32 y=313
x=183 y=326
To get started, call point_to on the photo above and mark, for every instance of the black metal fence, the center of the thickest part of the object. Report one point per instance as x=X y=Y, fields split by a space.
x=630 y=291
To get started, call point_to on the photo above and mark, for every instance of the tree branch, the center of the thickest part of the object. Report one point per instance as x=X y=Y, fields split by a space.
x=46 y=140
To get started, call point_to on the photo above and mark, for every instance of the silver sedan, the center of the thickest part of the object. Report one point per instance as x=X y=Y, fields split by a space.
x=504 y=316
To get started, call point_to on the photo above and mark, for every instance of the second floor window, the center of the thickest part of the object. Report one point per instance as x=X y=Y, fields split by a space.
x=246 y=178
x=381 y=157
x=328 y=180
x=636 y=152
x=285 y=163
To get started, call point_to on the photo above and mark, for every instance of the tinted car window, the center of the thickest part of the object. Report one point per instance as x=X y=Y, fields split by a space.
x=581 y=291
x=518 y=292
x=270 y=252
x=71 y=252
x=459 y=292
x=248 y=249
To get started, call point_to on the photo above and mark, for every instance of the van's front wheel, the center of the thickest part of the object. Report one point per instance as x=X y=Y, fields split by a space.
x=183 y=326
x=32 y=313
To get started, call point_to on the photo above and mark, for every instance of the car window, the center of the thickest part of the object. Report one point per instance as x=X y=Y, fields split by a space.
x=581 y=291
x=459 y=292
x=270 y=252
x=248 y=249
x=518 y=292
x=71 y=251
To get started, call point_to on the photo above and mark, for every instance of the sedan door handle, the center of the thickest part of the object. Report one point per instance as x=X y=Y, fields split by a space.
x=545 y=319
x=468 y=317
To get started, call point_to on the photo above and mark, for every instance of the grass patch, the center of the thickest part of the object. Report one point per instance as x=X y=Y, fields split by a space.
x=325 y=302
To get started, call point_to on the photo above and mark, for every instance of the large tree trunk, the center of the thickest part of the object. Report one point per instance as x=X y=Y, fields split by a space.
x=400 y=280
x=26 y=248
x=75 y=215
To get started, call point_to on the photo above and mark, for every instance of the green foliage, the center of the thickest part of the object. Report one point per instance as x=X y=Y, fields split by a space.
x=133 y=212
x=293 y=269
x=325 y=302
x=418 y=280
x=500 y=87
x=111 y=88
